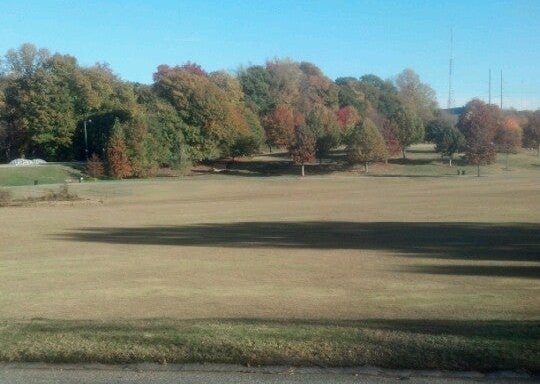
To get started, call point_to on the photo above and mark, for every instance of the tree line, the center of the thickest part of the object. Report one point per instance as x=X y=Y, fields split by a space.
x=53 y=108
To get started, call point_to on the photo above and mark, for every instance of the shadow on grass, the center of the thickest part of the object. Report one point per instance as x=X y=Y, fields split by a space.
x=531 y=272
x=501 y=329
x=409 y=161
x=461 y=241
x=279 y=168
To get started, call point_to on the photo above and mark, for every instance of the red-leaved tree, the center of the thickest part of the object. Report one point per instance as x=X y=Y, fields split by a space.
x=280 y=125
x=303 y=147
x=479 y=123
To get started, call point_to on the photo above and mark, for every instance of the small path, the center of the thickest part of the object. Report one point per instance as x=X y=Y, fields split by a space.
x=39 y=373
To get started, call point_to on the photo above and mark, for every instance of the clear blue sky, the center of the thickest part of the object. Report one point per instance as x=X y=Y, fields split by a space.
x=344 y=38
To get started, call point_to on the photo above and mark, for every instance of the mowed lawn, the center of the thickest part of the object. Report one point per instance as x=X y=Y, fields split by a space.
x=335 y=270
x=42 y=174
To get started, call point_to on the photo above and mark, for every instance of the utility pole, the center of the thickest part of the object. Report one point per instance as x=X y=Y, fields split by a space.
x=501 y=91
x=86 y=137
x=489 y=97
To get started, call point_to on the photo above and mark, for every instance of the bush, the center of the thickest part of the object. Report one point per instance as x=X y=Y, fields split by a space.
x=62 y=194
x=94 y=166
x=5 y=198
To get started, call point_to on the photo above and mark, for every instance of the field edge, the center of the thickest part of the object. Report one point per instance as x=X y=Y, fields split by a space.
x=452 y=345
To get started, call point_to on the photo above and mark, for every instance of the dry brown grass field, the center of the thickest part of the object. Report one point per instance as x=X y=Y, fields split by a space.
x=332 y=248
x=320 y=247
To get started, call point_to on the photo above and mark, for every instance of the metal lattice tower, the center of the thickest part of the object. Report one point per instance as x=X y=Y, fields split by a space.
x=450 y=71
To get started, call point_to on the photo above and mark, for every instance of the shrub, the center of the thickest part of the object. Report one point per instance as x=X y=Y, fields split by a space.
x=62 y=194
x=5 y=198
x=94 y=166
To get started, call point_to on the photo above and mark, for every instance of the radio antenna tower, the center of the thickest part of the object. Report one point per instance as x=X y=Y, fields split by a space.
x=450 y=71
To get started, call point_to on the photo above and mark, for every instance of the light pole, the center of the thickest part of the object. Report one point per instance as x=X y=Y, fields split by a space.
x=86 y=137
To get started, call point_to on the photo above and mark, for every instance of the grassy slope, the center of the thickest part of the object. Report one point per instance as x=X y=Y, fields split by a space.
x=44 y=174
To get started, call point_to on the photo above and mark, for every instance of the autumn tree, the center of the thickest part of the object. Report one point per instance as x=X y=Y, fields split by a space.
x=531 y=132
x=479 y=123
x=347 y=118
x=302 y=149
x=280 y=124
x=285 y=78
x=316 y=89
x=366 y=145
x=508 y=137
x=389 y=132
x=118 y=163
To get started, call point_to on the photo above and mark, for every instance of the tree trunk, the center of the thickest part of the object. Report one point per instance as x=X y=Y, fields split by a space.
x=404 y=155
x=270 y=148
x=450 y=161
x=478 y=170
x=303 y=172
x=386 y=160
x=366 y=167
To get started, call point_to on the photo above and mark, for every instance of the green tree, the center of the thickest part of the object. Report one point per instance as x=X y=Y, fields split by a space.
x=366 y=145
x=41 y=115
x=243 y=146
x=255 y=81
x=441 y=121
x=351 y=93
x=419 y=97
x=448 y=141
x=141 y=149
x=23 y=61
x=324 y=125
x=410 y=129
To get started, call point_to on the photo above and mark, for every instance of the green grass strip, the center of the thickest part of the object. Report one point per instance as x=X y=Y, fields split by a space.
x=409 y=344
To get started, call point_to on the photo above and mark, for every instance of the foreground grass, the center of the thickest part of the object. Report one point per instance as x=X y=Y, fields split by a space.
x=44 y=174
x=409 y=344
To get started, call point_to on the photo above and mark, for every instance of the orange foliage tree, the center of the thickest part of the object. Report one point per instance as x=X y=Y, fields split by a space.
x=508 y=137
x=118 y=162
